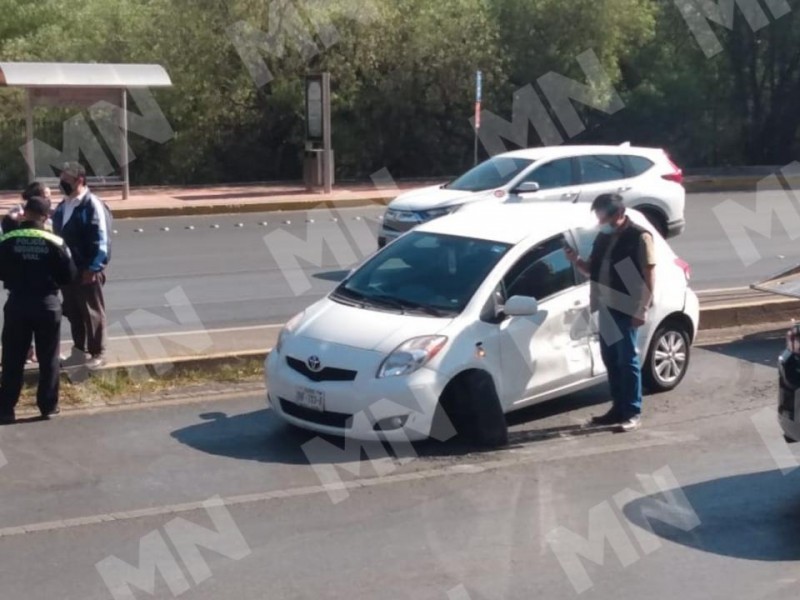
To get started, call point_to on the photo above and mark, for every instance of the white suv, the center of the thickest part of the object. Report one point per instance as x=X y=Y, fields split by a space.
x=645 y=177
x=470 y=317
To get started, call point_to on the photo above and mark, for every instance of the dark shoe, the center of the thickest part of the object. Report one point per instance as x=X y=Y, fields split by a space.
x=50 y=414
x=631 y=424
x=8 y=419
x=610 y=418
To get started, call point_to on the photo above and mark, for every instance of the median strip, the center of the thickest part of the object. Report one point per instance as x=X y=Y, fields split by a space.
x=235 y=356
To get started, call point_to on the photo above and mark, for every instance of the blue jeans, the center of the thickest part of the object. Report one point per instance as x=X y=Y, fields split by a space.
x=618 y=349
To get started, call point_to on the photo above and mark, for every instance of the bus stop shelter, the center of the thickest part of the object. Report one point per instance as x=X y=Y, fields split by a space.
x=80 y=85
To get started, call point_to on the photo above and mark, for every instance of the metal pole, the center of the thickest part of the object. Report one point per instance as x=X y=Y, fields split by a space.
x=30 y=157
x=327 y=175
x=478 y=101
x=126 y=181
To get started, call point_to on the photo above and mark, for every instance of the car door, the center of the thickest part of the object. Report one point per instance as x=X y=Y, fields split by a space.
x=603 y=174
x=548 y=350
x=556 y=179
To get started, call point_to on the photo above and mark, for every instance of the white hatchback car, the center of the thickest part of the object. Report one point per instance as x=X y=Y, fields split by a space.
x=462 y=320
x=645 y=177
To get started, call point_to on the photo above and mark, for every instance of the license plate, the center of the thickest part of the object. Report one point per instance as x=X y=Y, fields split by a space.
x=311 y=399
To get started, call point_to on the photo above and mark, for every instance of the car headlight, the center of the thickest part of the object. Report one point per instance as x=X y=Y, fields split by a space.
x=435 y=213
x=411 y=355
x=290 y=326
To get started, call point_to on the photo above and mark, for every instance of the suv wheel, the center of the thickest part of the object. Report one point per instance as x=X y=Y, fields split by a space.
x=668 y=357
x=656 y=219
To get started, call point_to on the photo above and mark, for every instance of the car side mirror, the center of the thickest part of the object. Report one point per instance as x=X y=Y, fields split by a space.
x=527 y=187
x=521 y=306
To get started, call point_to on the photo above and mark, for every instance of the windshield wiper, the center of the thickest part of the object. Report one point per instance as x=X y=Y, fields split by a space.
x=411 y=305
x=386 y=301
x=349 y=297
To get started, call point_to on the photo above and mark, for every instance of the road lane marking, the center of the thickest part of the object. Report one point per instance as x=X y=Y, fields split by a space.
x=541 y=453
x=198 y=332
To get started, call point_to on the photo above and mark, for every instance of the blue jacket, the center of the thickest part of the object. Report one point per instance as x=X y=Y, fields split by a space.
x=86 y=233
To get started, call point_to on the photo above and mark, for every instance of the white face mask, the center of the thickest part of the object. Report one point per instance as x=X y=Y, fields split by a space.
x=607 y=228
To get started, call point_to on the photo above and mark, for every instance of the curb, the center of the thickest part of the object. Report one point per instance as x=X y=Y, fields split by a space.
x=771 y=182
x=737 y=315
x=256 y=207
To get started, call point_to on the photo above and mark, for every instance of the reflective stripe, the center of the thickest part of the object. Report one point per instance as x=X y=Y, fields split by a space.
x=33 y=233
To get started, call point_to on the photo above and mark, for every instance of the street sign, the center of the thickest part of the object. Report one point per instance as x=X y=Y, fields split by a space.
x=314 y=109
x=478 y=99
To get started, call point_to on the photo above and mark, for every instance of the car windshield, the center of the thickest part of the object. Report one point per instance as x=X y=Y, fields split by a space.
x=424 y=273
x=493 y=173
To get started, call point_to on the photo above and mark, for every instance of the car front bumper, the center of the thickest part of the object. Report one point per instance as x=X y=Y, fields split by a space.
x=390 y=232
x=354 y=409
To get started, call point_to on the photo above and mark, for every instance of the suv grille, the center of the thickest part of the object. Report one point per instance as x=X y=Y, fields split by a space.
x=326 y=374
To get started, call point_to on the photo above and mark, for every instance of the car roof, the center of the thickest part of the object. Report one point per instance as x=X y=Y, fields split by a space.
x=550 y=152
x=511 y=223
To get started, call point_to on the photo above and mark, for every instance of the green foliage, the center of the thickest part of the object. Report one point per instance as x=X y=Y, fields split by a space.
x=403 y=73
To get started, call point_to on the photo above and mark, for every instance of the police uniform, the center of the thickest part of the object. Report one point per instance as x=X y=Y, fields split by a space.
x=34 y=263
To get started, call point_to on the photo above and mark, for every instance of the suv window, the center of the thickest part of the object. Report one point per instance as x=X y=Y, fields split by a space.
x=638 y=165
x=555 y=174
x=541 y=272
x=599 y=168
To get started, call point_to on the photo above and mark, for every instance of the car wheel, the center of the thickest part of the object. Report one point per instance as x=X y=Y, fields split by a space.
x=668 y=357
x=657 y=220
x=471 y=406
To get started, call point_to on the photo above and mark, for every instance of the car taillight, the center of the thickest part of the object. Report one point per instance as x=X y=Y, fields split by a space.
x=676 y=175
x=793 y=340
x=685 y=267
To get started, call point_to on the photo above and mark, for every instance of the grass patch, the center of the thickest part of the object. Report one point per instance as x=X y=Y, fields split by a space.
x=122 y=386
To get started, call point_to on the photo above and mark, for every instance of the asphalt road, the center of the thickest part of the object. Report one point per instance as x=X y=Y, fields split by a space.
x=234 y=276
x=233 y=271
x=432 y=521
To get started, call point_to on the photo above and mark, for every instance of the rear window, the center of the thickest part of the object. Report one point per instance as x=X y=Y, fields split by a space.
x=599 y=168
x=638 y=165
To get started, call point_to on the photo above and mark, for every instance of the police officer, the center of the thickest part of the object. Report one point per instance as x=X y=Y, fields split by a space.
x=34 y=263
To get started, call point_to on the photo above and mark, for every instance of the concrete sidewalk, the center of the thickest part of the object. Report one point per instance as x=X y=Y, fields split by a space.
x=226 y=199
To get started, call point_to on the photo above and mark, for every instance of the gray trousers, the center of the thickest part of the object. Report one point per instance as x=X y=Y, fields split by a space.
x=85 y=309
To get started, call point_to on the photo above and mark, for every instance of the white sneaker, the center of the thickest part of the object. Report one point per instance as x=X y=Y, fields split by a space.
x=631 y=424
x=75 y=359
x=96 y=362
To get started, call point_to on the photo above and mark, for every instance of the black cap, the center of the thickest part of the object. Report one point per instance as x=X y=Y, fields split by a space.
x=38 y=206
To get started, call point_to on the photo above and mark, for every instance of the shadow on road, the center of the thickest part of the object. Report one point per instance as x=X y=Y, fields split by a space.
x=257 y=435
x=751 y=517
x=759 y=349
x=261 y=436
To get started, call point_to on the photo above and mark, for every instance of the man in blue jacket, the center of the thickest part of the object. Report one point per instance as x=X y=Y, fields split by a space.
x=83 y=221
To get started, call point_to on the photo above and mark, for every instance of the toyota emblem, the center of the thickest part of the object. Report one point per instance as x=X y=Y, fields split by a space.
x=314 y=364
